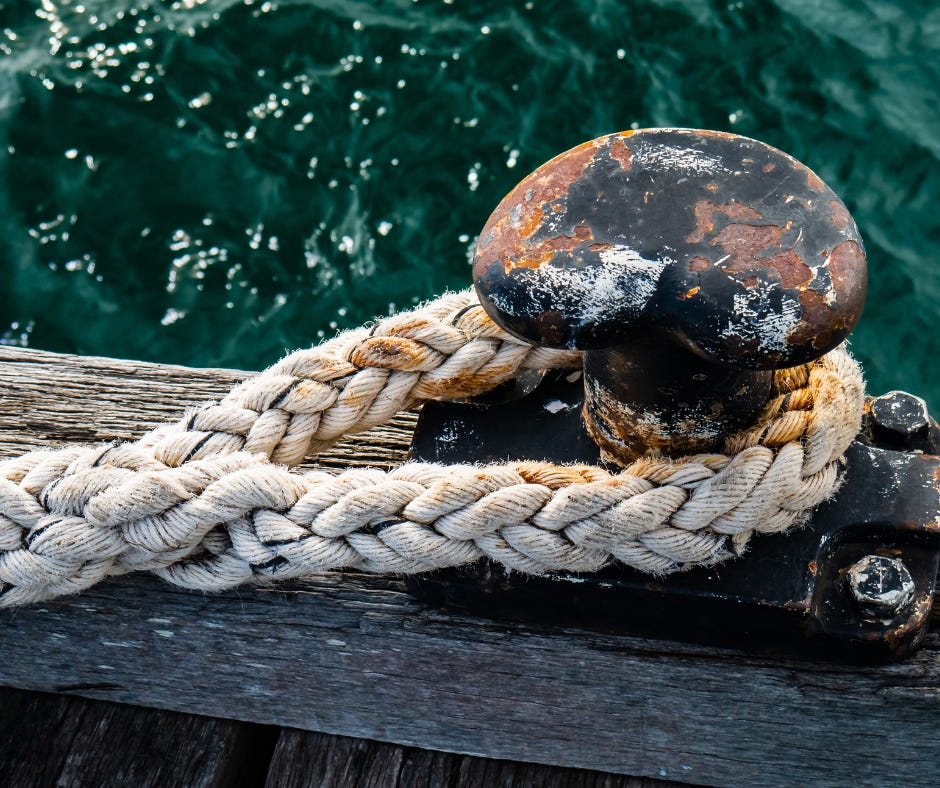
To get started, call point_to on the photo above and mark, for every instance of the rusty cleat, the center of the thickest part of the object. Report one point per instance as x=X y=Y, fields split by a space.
x=688 y=265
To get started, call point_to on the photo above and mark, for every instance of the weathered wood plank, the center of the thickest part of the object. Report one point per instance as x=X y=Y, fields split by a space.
x=357 y=655
x=49 y=740
x=61 y=740
x=303 y=759
x=50 y=399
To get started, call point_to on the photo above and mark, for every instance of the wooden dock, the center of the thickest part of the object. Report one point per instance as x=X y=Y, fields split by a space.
x=299 y=685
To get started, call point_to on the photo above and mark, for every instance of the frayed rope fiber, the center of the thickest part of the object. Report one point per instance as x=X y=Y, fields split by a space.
x=209 y=502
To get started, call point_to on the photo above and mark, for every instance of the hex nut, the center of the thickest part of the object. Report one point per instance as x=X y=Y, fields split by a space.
x=882 y=586
x=899 y=417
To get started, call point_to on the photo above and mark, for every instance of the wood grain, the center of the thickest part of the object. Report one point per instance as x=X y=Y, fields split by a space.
x=72 y=742
x=47 y=399
x=303 y=759
x=359 y=656
x=68 y=742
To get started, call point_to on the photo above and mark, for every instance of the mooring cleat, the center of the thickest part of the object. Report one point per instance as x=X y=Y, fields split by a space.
x=688 y=265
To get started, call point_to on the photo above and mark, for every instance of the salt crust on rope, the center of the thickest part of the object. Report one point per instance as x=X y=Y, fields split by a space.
x=209 y=503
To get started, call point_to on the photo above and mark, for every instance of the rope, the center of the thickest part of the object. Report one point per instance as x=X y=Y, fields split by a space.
x=207 y=503
x=447 y=349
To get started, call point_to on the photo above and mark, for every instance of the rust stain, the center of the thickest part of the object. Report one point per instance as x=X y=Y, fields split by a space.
x=408 y=328
x=889 y=552
x=751 y=281
x=849 y=275
x=565 y=243
x=304 y=389
x=624 y=435
x=698 y=264
x=913 y=526
x=332 y=368
x=529 y=221
x=769 y=167
x=816 y=326
x=839 y=216
x=705 y=211
x=388 y=353
x=718 y=134
x=799 y=605
x=815 y=307
x=522 y=211
x=746 y=243
x=813 y=568
x=794 y=273
x=534 y=261
x=738 y=210
x=462 y=386
x=620 y=152
x=704 y=224
x=904 y=635
x=814 y=181
x=545 y=251
x=686 y=295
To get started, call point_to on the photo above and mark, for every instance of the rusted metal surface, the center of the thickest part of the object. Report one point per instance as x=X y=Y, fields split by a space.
x=729 y=243
x=726 y=253
x=656 y=396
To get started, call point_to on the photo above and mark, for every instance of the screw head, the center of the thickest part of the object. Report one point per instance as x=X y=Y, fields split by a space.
x=881 y=586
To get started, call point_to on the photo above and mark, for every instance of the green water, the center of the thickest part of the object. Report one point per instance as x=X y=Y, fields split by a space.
x=209 y=183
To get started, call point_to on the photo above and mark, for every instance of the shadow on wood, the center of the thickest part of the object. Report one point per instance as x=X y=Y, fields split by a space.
x=56 y=740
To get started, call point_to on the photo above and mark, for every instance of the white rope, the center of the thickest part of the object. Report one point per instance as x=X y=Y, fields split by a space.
x=207 y=503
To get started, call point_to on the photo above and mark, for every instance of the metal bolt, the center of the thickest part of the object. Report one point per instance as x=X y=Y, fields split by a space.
x=899 y=417
x=882 y=586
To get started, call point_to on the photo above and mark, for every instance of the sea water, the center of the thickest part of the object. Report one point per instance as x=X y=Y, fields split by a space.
x=214 y=182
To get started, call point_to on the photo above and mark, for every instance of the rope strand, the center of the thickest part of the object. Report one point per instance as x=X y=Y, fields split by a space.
x=447 y=349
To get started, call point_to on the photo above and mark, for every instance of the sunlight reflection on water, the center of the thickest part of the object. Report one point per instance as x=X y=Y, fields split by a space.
x=212 y=182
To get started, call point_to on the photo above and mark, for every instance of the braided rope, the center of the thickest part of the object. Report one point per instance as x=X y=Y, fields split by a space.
x=446 y=349
x=207 y=504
